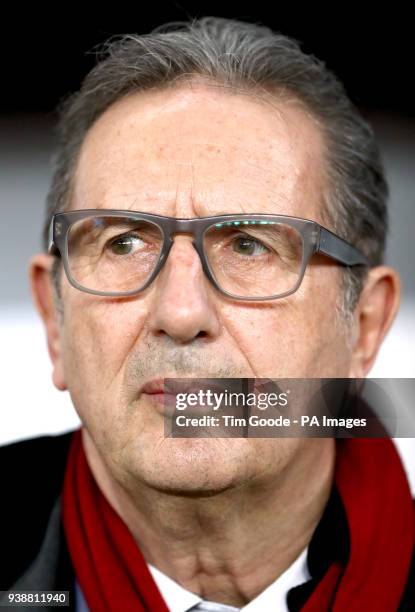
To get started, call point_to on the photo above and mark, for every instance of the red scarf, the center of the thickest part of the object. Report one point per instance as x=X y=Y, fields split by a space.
x=114 y=576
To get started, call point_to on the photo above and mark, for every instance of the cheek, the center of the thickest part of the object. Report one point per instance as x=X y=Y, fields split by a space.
x=295 y=337
x=98 y=337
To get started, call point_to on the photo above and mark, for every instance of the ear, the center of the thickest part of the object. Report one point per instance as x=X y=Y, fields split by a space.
x=42 y=292
x=373 y=316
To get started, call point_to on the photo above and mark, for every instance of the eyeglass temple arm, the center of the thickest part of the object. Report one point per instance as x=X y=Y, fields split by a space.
x=52 y=248
x=342 y=251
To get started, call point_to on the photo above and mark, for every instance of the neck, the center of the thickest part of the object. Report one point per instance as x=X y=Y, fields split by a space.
x=226 y=547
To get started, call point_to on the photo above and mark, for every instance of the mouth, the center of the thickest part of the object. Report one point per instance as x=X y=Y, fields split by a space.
x=154 y=391
x=164 y=395
x=156 y=386
x=153 y=387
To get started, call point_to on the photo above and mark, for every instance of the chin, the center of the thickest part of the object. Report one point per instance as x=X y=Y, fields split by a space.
x=193 y=467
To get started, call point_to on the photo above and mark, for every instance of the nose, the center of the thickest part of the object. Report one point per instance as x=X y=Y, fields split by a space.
x=183 y=302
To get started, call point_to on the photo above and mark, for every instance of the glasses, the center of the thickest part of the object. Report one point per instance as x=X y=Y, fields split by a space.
x=245 y=256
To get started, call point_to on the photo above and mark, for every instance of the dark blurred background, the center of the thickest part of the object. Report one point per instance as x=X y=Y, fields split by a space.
x=44 y=55
x=373 y=53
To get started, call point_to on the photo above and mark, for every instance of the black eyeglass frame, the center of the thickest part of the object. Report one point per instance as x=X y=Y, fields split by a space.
x=315 y=237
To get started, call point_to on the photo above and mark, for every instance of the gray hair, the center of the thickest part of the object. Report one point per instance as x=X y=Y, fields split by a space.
x=249 y=57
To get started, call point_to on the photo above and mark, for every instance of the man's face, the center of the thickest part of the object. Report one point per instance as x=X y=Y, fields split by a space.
x=192 y=152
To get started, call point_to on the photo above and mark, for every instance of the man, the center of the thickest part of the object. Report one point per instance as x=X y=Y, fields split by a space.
x=208 y=119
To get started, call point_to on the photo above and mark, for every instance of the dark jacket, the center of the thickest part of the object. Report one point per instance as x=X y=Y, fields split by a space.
x=34 y=551
x=33 y=545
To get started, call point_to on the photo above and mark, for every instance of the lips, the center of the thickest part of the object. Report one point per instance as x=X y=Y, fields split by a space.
x=156 y=385
x=155 y=392
x=153 y=387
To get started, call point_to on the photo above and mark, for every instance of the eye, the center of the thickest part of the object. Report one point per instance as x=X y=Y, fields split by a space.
x=246 y=245
x=125 y=244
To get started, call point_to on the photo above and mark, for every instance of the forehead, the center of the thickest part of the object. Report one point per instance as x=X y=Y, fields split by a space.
x=199 y=150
